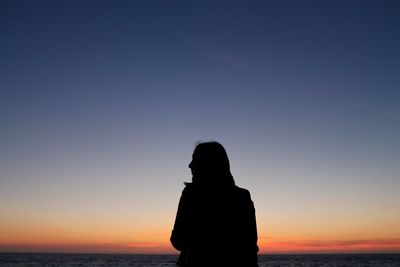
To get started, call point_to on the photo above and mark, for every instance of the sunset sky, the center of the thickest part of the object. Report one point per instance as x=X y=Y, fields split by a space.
x=102 y=102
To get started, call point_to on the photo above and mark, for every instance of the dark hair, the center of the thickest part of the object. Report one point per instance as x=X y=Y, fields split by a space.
x=214 y=162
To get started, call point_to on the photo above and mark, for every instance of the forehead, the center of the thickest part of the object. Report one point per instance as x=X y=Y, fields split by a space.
x=197 y=152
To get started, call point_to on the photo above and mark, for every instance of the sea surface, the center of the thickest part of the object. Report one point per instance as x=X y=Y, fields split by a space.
x=95 y=260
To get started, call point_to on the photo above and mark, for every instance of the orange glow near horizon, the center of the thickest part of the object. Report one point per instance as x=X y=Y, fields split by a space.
x=134 y=234
x=330 y=246
x=279 y=247
x=159 y=243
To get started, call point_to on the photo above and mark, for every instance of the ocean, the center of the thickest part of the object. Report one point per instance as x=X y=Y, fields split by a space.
x=149 y=260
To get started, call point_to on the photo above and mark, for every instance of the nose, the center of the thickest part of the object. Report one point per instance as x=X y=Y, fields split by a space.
x=190 y=165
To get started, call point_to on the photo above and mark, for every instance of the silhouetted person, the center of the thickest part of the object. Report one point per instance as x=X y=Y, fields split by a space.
x=215 y=223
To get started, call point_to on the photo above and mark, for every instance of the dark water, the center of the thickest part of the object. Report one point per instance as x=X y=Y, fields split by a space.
x=95 y=260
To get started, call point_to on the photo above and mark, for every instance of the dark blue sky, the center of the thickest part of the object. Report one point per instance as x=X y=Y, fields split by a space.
x=306 y=91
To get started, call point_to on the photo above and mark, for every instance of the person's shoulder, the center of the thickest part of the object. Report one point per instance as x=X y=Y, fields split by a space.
x=242 y=192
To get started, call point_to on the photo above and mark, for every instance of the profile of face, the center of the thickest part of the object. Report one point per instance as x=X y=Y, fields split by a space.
x=192 y=165
x=208 y=161
x=196 y=166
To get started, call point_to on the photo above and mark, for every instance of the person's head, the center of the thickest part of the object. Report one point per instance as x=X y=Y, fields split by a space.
x=210 y=165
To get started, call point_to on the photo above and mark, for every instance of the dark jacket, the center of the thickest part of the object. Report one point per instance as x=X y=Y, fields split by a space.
x=215 y=227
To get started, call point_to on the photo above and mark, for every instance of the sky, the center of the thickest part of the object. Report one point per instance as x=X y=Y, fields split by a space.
x=102 y=103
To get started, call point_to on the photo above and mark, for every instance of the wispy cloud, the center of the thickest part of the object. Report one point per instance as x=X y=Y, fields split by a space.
x=331 y=245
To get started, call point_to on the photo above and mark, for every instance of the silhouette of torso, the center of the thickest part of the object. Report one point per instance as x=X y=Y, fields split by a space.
x=215 y=227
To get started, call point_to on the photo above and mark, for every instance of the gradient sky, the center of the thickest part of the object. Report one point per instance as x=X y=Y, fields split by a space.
x=102 y=103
